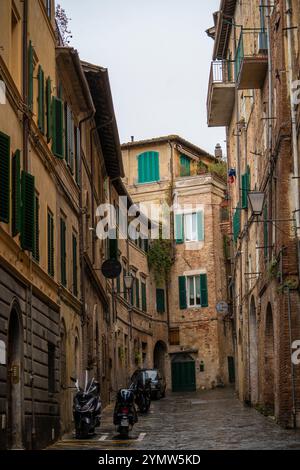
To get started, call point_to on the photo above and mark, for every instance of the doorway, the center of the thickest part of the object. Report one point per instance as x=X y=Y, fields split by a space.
x=183 y=373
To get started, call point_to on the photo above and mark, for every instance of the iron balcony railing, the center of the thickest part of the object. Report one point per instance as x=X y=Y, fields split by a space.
x=221 y=71
x=252 y=43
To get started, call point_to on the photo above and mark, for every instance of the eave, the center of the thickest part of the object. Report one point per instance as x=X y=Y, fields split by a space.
x=223 y=28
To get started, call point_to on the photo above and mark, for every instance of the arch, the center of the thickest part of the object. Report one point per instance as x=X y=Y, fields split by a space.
x=15 y=377
x=159 y=354
x=269 y=376
x=253 y=355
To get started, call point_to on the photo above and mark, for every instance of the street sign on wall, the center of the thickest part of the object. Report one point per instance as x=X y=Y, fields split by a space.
x=222 y=307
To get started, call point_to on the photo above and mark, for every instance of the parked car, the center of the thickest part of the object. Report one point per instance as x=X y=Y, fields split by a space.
x=158 y=382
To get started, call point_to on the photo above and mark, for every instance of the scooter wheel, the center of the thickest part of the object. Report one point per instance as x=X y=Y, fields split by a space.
x=124 y=431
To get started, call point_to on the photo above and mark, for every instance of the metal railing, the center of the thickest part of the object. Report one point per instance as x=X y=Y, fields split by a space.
x=221 y=71
x=252 y=43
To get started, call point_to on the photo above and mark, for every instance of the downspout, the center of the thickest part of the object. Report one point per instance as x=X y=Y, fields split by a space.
x=270 y=114
x=25 y=85
x=292 y=365
x=172 y=234
x=295 y=181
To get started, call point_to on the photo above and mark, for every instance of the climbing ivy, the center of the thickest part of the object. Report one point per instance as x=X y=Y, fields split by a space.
x=160 y=260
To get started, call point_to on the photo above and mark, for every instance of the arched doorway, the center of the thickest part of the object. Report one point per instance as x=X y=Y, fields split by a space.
x=15 y=378
x=159 y=354
x=269 y=379
x=253 y=367
x=183 y=373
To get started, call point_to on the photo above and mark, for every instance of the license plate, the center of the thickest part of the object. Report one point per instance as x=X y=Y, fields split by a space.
x=124 y=422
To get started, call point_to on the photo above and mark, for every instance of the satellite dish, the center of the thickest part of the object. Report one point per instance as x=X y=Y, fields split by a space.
x=111 y=268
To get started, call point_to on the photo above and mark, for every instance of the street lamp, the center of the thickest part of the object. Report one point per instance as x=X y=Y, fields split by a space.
x=128 y=280
x=256 y=200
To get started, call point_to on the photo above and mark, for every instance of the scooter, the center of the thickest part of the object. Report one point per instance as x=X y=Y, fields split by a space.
x=125 y=415
x=142 y=395
x=87 y=408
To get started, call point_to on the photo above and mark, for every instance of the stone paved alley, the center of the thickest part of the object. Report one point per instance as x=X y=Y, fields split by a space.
x=193 y=421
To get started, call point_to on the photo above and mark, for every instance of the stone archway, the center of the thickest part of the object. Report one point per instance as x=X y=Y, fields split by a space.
x=159 y=357
x=253 y=355
x=269 y=376
x=15 y=378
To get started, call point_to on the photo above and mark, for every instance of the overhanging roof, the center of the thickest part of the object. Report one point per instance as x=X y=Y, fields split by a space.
x=98 y=81
x=223 y=28
x=74 y=81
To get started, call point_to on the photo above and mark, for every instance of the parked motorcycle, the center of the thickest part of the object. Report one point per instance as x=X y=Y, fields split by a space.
x=141 y=386
x=87 y=408
x=125 y=415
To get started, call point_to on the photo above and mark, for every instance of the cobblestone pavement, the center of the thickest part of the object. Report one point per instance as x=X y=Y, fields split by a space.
x=193 y=421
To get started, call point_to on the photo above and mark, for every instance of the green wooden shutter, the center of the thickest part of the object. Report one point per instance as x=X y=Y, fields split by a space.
x=182 y=292
x=144 y=297
x=132 y=292
x=69 y=137
x=16 y=193
x=27 y=211
x=113 y=248
x=30 y=76
x=118 y=284
x=236 y=223
x=266 y=232
x=179 y=230
x=203 y=290
x=57 y=128
x=75 y=286
x=141 y=177
x=41 y=100
x=160 y=300
x=48 y=109
x=137 y=292
x=200 y=225
x=4 y=177
x=72 y=144
x=50 y=243
x=63 y=267
x=185 y=166
x=36 y=246
x=78 y=156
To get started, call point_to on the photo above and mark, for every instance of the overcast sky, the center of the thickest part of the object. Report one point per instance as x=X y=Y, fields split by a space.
x=158 y=57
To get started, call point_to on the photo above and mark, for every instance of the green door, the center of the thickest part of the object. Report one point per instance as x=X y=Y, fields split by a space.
x=183 y=376
x=231 y=369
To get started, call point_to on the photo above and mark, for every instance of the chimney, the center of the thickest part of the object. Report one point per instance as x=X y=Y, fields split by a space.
x=132 y=138
x=218 y=152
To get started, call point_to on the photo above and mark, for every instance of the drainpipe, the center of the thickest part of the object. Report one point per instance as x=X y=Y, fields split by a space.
x=172 y=235
x=295 y=182
x=25 y=84
x=292 y=365
x=270 y=113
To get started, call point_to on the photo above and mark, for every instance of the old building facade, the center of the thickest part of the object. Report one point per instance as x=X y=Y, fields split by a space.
x=254 y=64
x=171 y=171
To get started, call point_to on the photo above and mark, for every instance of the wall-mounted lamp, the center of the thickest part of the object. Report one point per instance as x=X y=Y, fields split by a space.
x=256 y=201
x=128 y=281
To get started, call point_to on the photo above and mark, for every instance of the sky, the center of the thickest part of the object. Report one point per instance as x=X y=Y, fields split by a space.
x=158 y=58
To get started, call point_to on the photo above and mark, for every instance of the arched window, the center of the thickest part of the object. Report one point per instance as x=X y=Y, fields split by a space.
x=148 y=167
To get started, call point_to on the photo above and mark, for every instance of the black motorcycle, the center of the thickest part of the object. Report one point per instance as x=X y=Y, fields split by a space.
x=125 y=415
x=141 y=386
x=86 y=408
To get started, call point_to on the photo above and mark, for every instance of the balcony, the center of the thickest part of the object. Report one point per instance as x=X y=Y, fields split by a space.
x=221 y=94
x=251 y=59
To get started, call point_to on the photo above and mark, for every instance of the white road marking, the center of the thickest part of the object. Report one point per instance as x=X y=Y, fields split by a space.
x=141 y=436
x=103 y=438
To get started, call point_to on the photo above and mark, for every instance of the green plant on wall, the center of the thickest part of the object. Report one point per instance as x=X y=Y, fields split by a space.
x=201 y=168
x=160 y=260
x=272 y=269
x=219 y=169
x=137 y=357
x=121 y=353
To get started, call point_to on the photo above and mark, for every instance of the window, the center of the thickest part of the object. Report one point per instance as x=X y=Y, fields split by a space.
x=51 y=368
x=160 y=300
x=57 y=128
x=144 y=296
x=16 y=193
x=27 y=211
x=69 y=138
x=193 y=291
x=30 y=76
x=41 y=100
x=15 y=46
x=4 y=177
x=137 y=293
x=50 y=243
x=63 y=252
x=245 y=188
x=185 y=166
x=174 y=336
x=189 y=227
x=74 y=249
x=36 y=244
x=48 y=8
x=148 y=167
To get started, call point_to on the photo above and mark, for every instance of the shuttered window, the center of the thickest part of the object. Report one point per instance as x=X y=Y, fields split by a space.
x=30 y=76
x=48 y=109
x=174 y=338
x=236 y=223
x=193 y=291
x=245 y=188
x=4 y=177
x=69 y=138
x=57 y=128
x=185 y=166
x=144 y=297
x=27 y=211
x=137 y=293
x=41 y=100
x=266 y=232
x=160 y=300
x=113 y=248
x=189 y=227
x=148 y=167
x=182 y=292
x=50 y=243
x=132 y=294
x=63 y=252
x=36 y=245
x=16 y=193
x=75 y=276
x=77 y=156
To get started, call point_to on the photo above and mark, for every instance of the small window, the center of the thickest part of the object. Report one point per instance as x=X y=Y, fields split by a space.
x=51 y=368
x=50 y=242
x=189 y=227
x=148 y=167
x=185 y=166
x=174 y=336
x=193 y=285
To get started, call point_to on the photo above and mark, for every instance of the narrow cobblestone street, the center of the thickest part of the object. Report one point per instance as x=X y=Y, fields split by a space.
x=210 y=420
